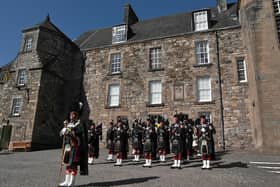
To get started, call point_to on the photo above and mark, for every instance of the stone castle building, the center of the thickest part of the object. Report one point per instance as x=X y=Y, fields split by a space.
x=222 y=62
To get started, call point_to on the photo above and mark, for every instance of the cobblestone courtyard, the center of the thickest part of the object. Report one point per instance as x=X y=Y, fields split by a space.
x=41 y=168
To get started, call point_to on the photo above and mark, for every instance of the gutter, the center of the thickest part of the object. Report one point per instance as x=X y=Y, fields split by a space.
x=221 y=105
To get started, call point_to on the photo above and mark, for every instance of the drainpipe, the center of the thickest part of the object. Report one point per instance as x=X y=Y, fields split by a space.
x=220 y=93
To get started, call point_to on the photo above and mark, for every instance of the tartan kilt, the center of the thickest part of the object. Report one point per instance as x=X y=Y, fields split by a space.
x=177 y=146
x=148 y=146
x=118 y=146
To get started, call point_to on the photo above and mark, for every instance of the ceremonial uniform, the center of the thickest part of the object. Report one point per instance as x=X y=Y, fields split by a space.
x=206 y=143
x=119 y=142
x=162 y=141
x=176 y=134
x=94 y=134
x=136 y=139
x=212 y=143
x=110 y=141
x=188 y=136
x=149 y=140
x=75 y=148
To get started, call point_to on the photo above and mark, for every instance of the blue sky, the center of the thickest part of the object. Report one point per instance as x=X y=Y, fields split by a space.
x=74 y=17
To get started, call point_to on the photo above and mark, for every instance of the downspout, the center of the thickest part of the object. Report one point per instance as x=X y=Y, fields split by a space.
x=221 y=105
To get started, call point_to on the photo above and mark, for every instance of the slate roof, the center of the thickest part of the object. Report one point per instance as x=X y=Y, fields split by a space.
x=47 y=24
x=160 y=27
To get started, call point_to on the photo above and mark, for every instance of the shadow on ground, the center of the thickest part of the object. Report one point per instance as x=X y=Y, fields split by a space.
x=231 y=165
x=120 y=182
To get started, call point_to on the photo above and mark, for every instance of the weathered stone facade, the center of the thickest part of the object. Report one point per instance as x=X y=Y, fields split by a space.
x=179 y=67
x=54 y=75
x=61 y=71
x=263 y=52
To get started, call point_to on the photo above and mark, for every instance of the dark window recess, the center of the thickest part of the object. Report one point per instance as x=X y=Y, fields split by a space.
x=22 y=77
x=207 y=116
x=16 y=106
x=28 y=45
x=276 y=5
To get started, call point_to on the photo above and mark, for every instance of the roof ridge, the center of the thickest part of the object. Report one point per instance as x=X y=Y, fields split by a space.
x=87 y=39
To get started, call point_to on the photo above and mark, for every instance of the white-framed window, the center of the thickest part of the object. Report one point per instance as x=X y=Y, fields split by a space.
x=114 y=95
x=119 y=34
x=200 y=20
x=22 y=77
x=155 y=91
x=276 y=5
x=204 y=89
x=207 y=116
x=28 y=44
x=241 y=70
x=202 y=52
x=155 y=58
x=115 y=63
x=16 y=106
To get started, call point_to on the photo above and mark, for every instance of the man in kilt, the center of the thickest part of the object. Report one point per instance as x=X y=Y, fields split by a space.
x=110 y=141
x=188 y=137
x=205 y=140
x=136 y=139
x=75 y=146
x=176 y=134
x=149 y=141
x=162 y=140
x=94 y=134
x=119 y=142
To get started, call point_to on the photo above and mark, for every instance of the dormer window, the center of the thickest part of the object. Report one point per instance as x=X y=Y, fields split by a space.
x=28 y=44
x=119 y=34
x=200 y=20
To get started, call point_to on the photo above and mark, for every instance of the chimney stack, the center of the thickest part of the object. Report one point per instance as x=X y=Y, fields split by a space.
x=222 y=5
x=129 y=15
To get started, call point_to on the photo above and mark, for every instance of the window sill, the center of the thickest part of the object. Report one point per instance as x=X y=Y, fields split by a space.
x=243 y=83
x=21 y=87
x=155 y=105
x=118 y=42
x=114 y=74
x=202 y=65
x=112 y=107
x=14 y=115
x=154 y=70
x=29 y=51
x=204 y=102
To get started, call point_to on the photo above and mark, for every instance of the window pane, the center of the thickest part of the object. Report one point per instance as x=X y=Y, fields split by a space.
x=201 y=21
x=155 y=92
x=116 y=63
x=28 y=44
x=155 y=58
x=241 y=71
x=204 y=89
x=22 y=77
x=16 y=106
x=202 y=52
x=119 y=34
x=114 y=92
